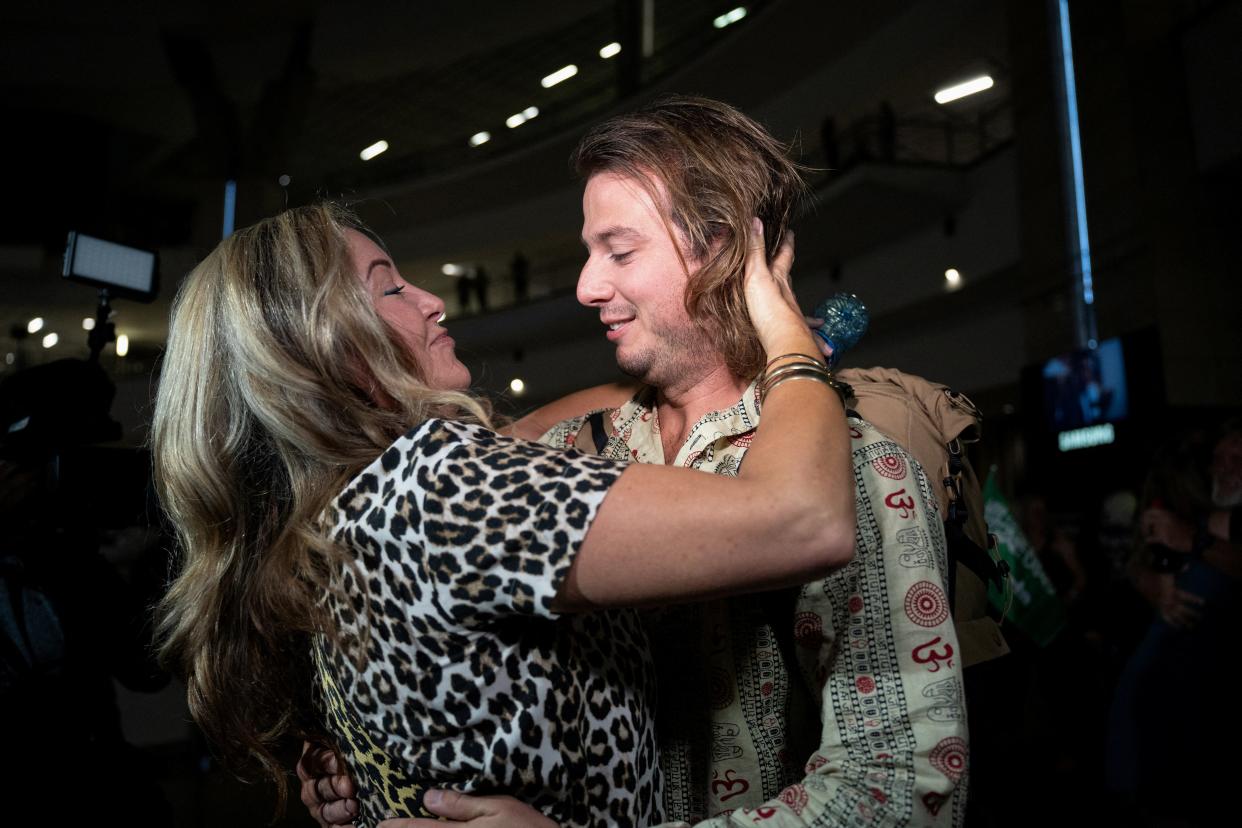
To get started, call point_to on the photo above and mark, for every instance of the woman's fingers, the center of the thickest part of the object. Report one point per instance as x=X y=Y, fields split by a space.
x=326 y=791
x=456 y=806
x=340 y=813
x=782 y=262
x=755 y=275
x=480 y=811
x=768 y=295
x=330 y=801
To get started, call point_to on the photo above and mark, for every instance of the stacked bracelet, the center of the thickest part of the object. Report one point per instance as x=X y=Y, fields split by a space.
x=793 y=358
x=800 y=366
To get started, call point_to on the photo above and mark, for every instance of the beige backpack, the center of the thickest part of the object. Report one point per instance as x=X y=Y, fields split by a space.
x=933 y=423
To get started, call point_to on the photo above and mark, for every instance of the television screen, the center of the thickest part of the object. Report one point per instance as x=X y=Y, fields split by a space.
x=1082 y=388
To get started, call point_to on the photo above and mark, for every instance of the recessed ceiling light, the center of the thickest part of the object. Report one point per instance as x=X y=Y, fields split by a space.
x=961 y=90
x=122 y=345
x=88 y=324
x=517 y=386
x=519 y=118
x=610 y=50
x=373 y=150
x=480 y=138
x=562 y=74
x=50 y=340
x=34 y=325
x=729 y=17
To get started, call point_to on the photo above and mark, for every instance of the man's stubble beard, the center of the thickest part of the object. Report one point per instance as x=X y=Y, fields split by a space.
x=680 y=354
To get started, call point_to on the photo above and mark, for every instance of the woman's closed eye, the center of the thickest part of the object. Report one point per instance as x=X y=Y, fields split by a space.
x=394 y=290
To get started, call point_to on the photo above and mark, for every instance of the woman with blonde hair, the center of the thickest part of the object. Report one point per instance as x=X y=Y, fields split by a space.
x=363 y=559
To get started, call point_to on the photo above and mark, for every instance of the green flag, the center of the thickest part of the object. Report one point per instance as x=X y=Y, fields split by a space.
x=1034 y=607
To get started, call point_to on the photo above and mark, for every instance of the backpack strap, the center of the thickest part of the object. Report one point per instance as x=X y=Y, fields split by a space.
x=593 y=427
x=598 y=436
x=961 y=548
x=968 y=553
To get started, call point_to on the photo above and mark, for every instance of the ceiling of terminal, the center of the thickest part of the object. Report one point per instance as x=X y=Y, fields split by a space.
x=127 y=118
x=132 y=111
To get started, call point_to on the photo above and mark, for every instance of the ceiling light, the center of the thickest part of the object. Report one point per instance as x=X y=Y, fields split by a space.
x=122 y=345
x=284 y=180
x=516 y=120
x=480 y=138
x=88 y=324
x=729 y=17
x=10 y=358
x=562 y=74
x=50 y=340
x=611 y=50
x=34 y=325
x=952 y=278
x=961 y=90
x=517 y=386
x=373 y=150
x=451 y=269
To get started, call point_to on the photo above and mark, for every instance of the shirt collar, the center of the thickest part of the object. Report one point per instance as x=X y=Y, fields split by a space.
x=637 y=423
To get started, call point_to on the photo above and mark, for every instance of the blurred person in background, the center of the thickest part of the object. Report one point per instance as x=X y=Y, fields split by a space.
x=1067 y=698
x=69 y=622
x=1173 y=705
x=1114 y=545
x=1212 y=533
x=1057 y=551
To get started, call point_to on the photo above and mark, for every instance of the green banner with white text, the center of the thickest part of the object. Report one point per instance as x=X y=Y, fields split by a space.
x=1033 y=605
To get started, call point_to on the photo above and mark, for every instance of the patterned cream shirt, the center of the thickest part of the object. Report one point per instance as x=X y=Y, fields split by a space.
x=837 y=704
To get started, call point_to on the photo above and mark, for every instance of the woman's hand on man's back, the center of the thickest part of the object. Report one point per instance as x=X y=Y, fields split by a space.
x=327 y=790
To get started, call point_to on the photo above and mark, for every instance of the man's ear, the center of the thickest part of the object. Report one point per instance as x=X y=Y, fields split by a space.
x=715 y=247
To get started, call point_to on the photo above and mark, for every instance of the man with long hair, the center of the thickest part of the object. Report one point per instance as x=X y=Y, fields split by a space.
x=840 y=702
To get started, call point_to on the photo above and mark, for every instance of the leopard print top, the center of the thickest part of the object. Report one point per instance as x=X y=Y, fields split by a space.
x=461 y=538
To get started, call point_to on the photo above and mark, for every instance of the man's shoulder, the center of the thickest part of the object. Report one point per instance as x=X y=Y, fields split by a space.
x=865 y=436
x=564 y=434
x=881 y=462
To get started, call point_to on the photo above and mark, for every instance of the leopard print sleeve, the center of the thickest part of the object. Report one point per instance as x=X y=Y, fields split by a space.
x=447 y=670
x=479 y=525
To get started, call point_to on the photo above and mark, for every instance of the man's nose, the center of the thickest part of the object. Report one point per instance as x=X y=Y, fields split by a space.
x=593 y=288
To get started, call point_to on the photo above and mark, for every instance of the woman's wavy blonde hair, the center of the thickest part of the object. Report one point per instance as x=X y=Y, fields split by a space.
x=719 y=168
x=267 y=406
